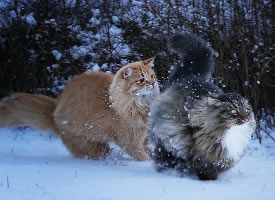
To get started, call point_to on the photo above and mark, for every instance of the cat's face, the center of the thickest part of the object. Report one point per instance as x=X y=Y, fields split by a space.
x=231 y=109
x=140 y=79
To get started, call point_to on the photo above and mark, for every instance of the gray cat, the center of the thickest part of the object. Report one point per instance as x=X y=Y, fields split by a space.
x=194 y=126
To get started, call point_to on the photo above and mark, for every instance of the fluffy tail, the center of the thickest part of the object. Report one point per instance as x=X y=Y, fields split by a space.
x=28 y=110
x=197 y=57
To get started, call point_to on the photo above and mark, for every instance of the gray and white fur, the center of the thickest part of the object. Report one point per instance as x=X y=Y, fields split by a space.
x=194 y=126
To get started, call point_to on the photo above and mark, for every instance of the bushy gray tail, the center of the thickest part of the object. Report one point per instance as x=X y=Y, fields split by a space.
x=197 y=57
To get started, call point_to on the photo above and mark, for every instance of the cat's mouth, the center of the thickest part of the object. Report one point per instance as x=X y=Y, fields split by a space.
x=148 y=91
x=242 y=120
x=144 y=93
x=152 y=87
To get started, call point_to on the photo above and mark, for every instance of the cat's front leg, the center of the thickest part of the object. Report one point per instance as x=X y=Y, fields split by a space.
x=137 y=152
x=139 y=155
x=135 y=148
x=207 y=172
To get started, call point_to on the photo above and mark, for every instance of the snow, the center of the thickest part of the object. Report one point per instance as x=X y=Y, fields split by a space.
x=30 y=19
x=115 y=19
x=36 y=165
x=80 y=51
x=57 y=54
x=96 y=68
x=64 y=122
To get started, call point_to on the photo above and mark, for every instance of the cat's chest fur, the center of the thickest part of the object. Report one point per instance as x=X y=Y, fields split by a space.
x=133 y=124
x=236 y=139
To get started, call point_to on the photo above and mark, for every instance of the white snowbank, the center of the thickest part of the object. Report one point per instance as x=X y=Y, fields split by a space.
x=36 y=165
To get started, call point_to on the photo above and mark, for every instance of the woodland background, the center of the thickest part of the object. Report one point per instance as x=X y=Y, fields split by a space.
x=44 y=43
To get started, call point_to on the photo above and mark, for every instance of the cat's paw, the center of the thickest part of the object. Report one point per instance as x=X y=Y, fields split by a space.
x=209 y=175
x=142 y=157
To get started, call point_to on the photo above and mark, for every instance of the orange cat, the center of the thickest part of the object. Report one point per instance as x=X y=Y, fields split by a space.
x=93 y=110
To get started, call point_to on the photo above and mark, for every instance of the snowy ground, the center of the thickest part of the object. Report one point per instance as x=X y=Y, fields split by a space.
x=36 y=166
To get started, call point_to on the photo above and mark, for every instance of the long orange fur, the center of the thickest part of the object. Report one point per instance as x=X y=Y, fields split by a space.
x=93 y=110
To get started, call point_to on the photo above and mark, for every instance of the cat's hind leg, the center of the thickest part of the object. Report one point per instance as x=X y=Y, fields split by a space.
x=82 y=147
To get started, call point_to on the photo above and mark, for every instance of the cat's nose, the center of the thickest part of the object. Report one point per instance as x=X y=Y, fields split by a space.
x=243 y=119
x=152 y=83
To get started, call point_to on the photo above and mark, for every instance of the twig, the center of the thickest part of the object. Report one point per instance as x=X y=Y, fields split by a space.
x=265 y=67
x=262 y=71
x=164 y=190
x=258 y=134
x=267 y=133
x=8 y=182
x=263 y=189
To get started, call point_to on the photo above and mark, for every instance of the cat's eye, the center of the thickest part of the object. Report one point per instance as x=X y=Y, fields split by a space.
x=247 y=110
x=141 y=80
x=234 y=112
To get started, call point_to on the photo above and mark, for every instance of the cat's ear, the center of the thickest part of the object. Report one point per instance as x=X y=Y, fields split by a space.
x=149 y=62
x=212 y=101
x=127 y=73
